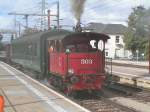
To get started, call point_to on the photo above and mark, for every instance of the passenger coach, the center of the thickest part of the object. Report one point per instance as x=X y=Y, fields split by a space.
x=31 y=50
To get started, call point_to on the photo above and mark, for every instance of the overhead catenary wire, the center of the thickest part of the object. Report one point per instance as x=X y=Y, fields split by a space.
x=106 y=8
x=116 y=3
x=98 y=5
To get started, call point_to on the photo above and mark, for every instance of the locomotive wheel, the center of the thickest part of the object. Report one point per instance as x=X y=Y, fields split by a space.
x=68 y=91
x=97 y=93
x=52 y=80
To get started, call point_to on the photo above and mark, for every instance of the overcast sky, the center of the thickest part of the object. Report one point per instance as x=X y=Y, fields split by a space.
x=104 y=11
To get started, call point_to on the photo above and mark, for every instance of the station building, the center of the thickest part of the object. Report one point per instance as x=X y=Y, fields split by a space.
x=115 y=47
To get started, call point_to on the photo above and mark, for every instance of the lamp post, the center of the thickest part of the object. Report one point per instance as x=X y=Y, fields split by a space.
x=137 y=55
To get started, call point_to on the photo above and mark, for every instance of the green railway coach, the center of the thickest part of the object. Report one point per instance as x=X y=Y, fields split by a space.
x=31 y=50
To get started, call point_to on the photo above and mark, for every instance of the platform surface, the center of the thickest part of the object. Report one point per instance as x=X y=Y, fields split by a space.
x=134 y=76
x=125 y=70
x=23 y=94
x=140 y=63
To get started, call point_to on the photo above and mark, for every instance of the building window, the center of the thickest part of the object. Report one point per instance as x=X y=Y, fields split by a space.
x=117 y=39
x=106 y=53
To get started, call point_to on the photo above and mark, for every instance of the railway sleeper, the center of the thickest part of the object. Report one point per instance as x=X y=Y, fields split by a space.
x=125 y=89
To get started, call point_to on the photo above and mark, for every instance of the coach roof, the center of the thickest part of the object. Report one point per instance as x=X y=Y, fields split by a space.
x=62 y=34
x=42 y=35
x=84 y=37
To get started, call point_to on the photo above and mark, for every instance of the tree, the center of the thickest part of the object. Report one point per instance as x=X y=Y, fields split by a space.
x=130 y=42
x=136 y=36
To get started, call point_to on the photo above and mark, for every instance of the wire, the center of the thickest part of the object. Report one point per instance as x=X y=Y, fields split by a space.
x=116 y=3
x=97 y=5
x=108 y=7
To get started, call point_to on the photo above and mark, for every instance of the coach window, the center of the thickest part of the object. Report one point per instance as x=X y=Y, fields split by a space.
x=26 y=46
x=60 y=46
x=82 y=47
x=101 y=45
x=71 y=48
x=29 y=49
x=57 y=46
x=51 y=46
x=93 y=45
x=35 y=49
x=23 y=48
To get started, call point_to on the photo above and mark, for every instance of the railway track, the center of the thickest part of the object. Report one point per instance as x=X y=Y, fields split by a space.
x=104 y=103
x=99 y=106
x=143 y=96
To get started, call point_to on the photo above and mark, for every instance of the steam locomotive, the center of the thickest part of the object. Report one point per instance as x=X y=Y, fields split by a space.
x=72 y=61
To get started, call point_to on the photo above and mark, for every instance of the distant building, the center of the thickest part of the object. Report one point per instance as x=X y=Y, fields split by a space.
x=115 y=47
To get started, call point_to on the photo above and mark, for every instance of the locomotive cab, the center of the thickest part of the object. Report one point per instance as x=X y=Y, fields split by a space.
x=86 y=60
x=81 y=61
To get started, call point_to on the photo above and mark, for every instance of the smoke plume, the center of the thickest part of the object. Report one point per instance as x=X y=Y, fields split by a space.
x=77 y=8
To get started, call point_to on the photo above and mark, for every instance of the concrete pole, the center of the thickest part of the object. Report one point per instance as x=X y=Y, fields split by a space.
x=149 y=55
x=19 y=29
x=49 y=23
x=137 y=54
x=58 y=25
x=26 y=18
x=15 y=22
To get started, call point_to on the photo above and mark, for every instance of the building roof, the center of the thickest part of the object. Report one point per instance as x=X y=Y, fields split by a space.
x=107 y=28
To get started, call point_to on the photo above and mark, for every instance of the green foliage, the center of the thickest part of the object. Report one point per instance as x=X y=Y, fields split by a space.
x=130 y=41
x=136 y=36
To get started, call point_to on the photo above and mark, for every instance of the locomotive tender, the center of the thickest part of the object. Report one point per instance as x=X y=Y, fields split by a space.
x=72 y=61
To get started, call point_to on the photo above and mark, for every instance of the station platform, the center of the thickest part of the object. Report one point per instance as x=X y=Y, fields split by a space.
x=24 y=94
x=138 y=77
x=136 y=64
x=140 y=63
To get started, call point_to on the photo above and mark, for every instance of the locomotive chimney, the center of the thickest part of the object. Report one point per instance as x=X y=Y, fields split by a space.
x=77 y=10
x=78 y=27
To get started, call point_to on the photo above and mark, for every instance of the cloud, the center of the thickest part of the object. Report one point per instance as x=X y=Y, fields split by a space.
x=110 y=11
x=106 y=11
x=5 y=22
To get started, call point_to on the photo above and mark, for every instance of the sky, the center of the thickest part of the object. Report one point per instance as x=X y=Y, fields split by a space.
x=102 y=11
